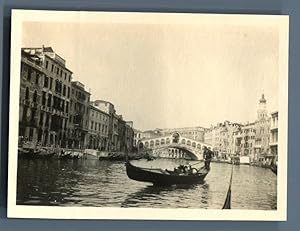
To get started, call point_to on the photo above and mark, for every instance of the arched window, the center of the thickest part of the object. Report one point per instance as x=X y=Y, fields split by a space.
x=194 y=144
x=156 y=142
x=188 y=142
x=34 y=96
x=183 y=141
x=27 y=93
x=162 y=141
x=199 y=146
x=147 y=144
x=167 y=140
x=151 y=143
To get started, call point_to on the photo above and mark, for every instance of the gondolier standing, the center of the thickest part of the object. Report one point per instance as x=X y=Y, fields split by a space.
x=207 y=156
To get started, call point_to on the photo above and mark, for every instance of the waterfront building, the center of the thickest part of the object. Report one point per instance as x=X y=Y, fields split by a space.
x=247 y=142
x=137 y=137
x=195 y=133
x=221 y=138
x=109 y=109
x=79 y=116
x=97 y=128
x=274 y=134
x=129 y=135
x=262 y=136
x=53 y=95
x=120 y=132
x=31 y=80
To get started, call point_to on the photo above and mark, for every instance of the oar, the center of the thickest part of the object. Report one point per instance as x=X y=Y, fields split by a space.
x=227 y=203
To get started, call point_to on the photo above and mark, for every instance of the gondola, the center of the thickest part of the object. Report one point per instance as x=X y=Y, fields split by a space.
x=27 y=153
x=161 y=177
x=273 y=168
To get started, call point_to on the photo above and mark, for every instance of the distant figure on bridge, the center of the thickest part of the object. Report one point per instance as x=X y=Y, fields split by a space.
x=207 y=156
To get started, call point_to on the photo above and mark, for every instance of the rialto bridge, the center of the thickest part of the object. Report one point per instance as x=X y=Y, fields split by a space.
x=174 y=146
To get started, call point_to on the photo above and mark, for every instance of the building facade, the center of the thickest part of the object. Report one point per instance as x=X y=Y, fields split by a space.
x=221 y=137
x=54 y=88
x=248 y=140
x=120 y=132
x=98 y=129
x=195 y=133
x=274 y=134
x=79 y=116
x=31 y=80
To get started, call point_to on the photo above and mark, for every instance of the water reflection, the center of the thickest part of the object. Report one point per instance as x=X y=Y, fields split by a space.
x=105 y=183
x=151 y=192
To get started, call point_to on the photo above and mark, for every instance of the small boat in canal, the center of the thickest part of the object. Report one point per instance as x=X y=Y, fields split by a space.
x=91 y=154
x=30 y=153
x=273 y=168
x=161 y=177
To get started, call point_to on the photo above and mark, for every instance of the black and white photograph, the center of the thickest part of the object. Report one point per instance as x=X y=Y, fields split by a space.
x=176 y=116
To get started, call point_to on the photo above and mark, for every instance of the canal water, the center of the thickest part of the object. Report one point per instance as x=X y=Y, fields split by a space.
x=105 y=184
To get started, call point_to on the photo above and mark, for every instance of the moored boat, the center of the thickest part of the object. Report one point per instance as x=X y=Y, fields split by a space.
x=91 y=154
x=30 y=153
x=273 y=168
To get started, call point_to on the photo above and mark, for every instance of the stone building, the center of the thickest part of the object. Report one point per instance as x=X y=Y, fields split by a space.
x=195 y=133
x=31 y=80
x=120 y=132
x=54 y=97
x=129 y=135
x=274 y=134
x=248 y=137
x=98 y=128
x=79 y=116
x=109 y=109
x=221 y=137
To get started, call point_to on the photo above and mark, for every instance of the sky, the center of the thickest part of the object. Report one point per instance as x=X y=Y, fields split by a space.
x=167 y=75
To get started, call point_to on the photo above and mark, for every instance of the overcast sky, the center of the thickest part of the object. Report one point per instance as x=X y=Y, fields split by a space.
x=164 y=76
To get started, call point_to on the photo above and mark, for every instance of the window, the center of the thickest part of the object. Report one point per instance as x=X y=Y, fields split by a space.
x=33 y=112
x=64 y=90
x=92 y=125
x=41 y=118
x=58 y=86
x=67 y=107
x=44 y=98
x=51 y=80
x=65 y=75
x=69 y=78
x=47 y=64
x=49 y=100
x=29 y=74
x=34 y=96
x=46 y=80
x=61 y=73
x=47 y=120
x=68 y=94
x=52 y=68
x=57 y=71
x=27 y=93
x=37 y=78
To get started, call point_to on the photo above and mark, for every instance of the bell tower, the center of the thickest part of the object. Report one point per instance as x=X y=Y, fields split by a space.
x=262 y=108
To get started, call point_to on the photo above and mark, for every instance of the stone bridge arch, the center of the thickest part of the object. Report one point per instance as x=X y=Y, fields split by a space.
x=192 y=148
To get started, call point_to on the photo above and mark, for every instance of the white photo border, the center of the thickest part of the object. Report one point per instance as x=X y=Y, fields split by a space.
x=21 y=211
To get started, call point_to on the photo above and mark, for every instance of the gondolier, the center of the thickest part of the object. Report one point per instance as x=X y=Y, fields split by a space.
x=207 y=156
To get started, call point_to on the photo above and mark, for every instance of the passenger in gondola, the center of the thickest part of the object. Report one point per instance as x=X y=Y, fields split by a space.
x=207 y=156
